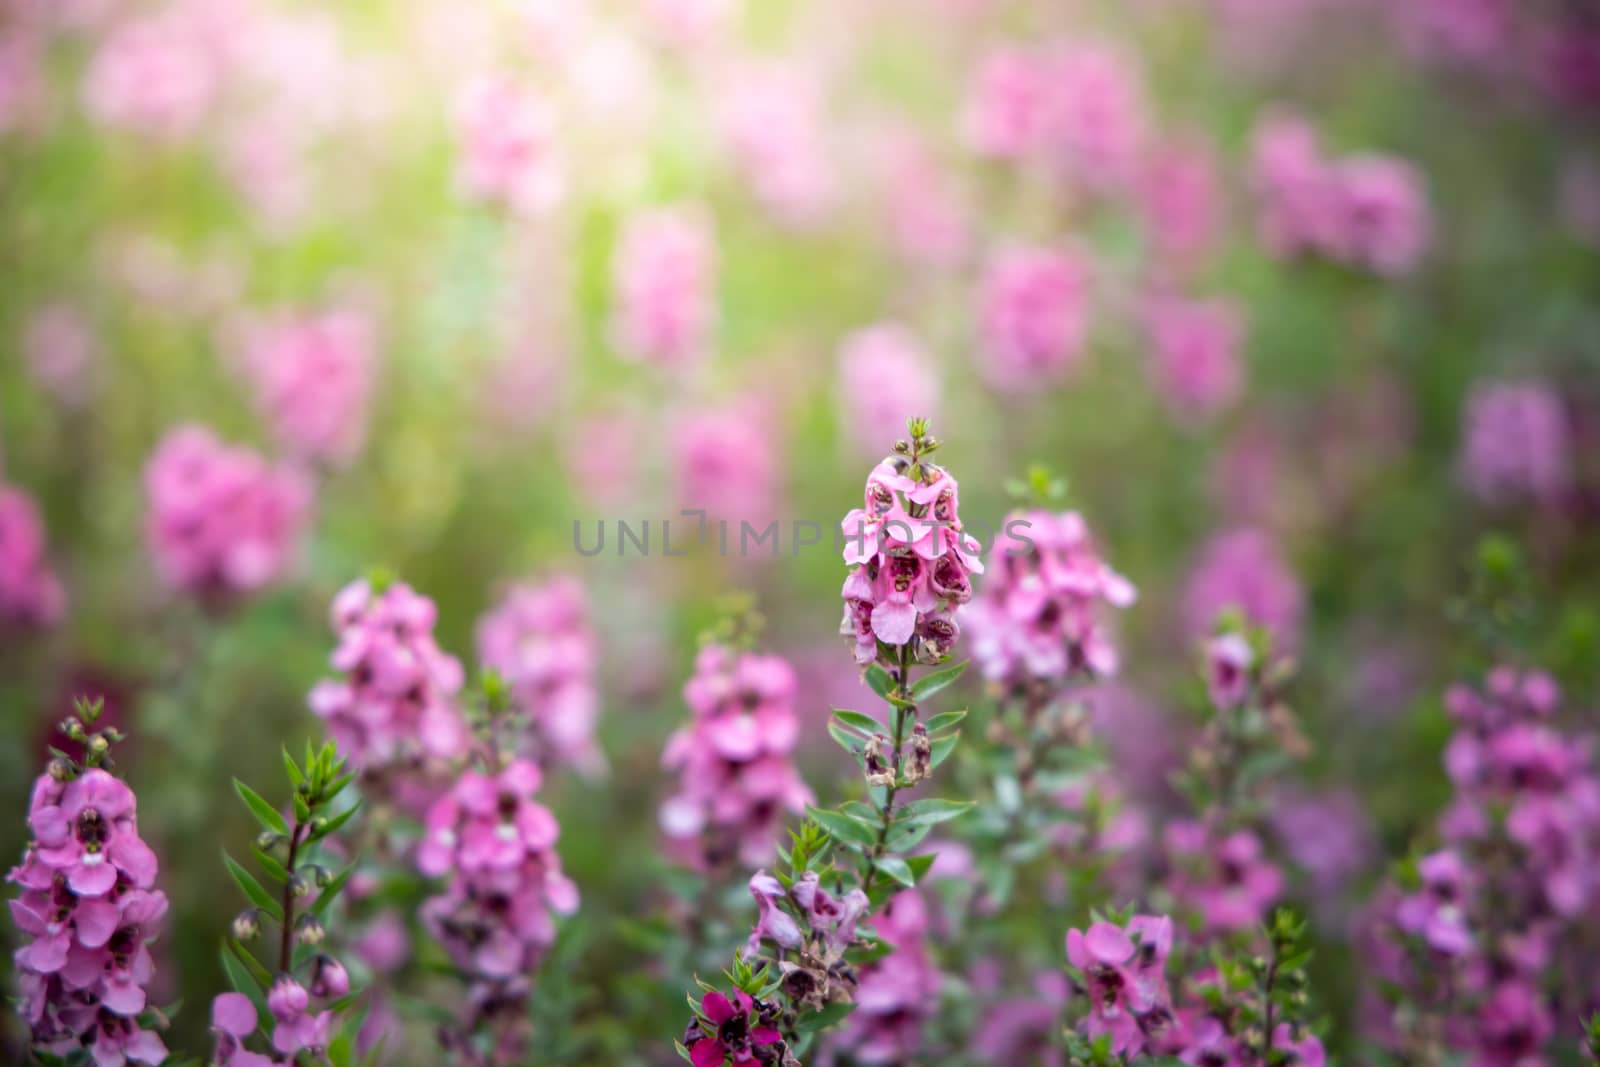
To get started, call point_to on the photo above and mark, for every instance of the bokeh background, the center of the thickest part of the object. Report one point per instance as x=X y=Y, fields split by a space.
x=1296 y=296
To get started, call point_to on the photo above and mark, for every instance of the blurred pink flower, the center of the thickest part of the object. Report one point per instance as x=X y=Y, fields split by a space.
x=313 y=377
x=690 y=24
x=1181 y=198
x=775 y=124
x=22 y=82
x=1516 y=441
x=1194 y=355
x=1292 y=184
x=62 y=352
x=154 y=75
x=539 y=639
x=508 y=147
x=1242 y=570
x=929 y=219
x=725 y=460
x=886 y=376
x=1034 y=318
x=1382 y=219
x=1008 y=109
x=221 y=520
x=664 y=286
x=30 y=592
x=1096 y=125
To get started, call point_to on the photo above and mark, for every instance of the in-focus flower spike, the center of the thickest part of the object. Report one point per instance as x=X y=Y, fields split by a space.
x=305 y=996
x=88 y=909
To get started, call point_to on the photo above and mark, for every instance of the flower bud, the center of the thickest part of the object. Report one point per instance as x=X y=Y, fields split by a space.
x=266 y=840
x=60 y=770
x=329 y=978
x=246 y=925
x=309 y=930
x=287 y=999
x=299 y=885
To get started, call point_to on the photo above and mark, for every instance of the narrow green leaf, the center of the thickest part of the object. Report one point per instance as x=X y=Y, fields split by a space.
x=252 y=889
x=920 y=865
x=928 y=685
x=942 y=747
x=858 y=721
x=821 y=1020
x=940 y=723
x=930 y=812
x=265 y=813
x=296 y=775
x=843 y=827
x=336 y=823
x=880 y=682
x=844 y=738
x=896 y=868
x=270 y=864
x=249 y=978
x=331 y=891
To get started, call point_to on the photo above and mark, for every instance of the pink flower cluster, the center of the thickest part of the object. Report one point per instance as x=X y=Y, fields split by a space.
x=1243 y=570
x=897 y=994
x=221 y=519
x=725 y=462
x=156 y=75
x=1073 y=107
x=497 y=845
x=664 y=287
x=1367 y=211
x=540 y=640
x=396 y=706
x=313 y=382
x=1033 y=318
x=1516 y=442
x=730 y=1029
x=775 y=126
x=1123 y=969
x=886 y=376
x=737 y=779
x=911 y=563
x=89 y=908
x=1194 y=356
x=1039 y=616
x=1226 y=878
x=508 y=146
x=30 y=592
x=1497 y=918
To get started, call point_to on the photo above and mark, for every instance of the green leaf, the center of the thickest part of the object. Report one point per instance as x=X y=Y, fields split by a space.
x=902 y=838
x=920 y=865
x=843 y=827
x=265 y=813
x=928 y=685
x=941 y=748
x=932 y=811
x=844 y=738
x=271 y=865
x=296 y=775
x=880 y=682
x=245 y=979
x=331 y=891
x=336 y=823
x=821 y=1020
x=940 y=723
x=857 y=721
x=896 y=868
x=252 y=889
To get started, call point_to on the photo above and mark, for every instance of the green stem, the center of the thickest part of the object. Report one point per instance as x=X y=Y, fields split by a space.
x=286 y=934
x=902 y=715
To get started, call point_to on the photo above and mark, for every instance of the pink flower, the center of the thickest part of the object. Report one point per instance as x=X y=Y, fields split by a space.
x=1034 y=318
x=1040 y=614
x=1242 y=570
x=1516 y=442
x=886 y=376
x=1124 y=973
x=1095 y=128
x=233 y=1019
x=1226 y=879
x=1195 y=356
x=737 y=780
x=1181 y=199
x=898 y=994
x=1381 y=217
x=775 y=126
x=1293 y=185
x=1228 y=662
x=1008 y=109
x=911 y=563
x=508 y=151
x=313 y=381
x=221 y=520
x=395 y=707
x=30 y=592
x=540 y=640
x=664 y=287
x=726 y=463
x=929 y=217
x=725 y=1033
x=88 y=911
x=62 y=352
x=154 y=75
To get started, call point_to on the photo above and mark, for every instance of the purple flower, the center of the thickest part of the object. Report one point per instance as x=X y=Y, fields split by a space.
x=30 y=592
